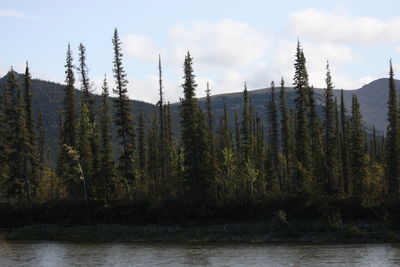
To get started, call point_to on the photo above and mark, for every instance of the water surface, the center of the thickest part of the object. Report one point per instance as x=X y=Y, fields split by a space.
x=112 y=254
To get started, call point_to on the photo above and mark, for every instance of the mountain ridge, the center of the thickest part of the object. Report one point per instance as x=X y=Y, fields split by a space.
x=48 y=97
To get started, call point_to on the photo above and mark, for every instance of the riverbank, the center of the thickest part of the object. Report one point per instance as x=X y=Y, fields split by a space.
x=251 y=232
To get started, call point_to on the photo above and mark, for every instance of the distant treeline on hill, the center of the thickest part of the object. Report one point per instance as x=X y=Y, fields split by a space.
x=188 y=161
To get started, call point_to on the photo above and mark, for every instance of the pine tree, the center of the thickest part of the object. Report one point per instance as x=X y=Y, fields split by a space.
x=358 y=156
x=344 y=145
x=330 y=138
x=85 y=82
x=273 y=144
x=246 y=129
x=153 y=164
x=123 y=118
x=197 y=178
x=41 y=145
x=162 y=138
x=67 y=168
x=83 y=146
x=210 y=132
x=302 y=134
x=89 y=101
x=69 y=114
x=393 y=135
x=106 y=148
x=286 y=134
x=32 y=160
x=237 y=133
x=18 y=183
x=3 y=140
x=142 y=145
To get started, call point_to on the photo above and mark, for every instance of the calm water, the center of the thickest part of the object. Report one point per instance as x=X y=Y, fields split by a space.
x=71 y=254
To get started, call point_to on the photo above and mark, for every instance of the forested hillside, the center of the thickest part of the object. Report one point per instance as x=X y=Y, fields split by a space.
x=48 y=96
x=289 y=151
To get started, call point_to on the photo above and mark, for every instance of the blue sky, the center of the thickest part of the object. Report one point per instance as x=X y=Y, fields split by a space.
x=231 y=43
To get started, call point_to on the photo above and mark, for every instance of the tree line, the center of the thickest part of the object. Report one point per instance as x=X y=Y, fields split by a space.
x=295 y=152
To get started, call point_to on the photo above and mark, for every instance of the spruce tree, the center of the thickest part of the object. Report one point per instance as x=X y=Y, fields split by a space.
x=142 y=145
x=89 y=101
x=153 y=164
x=84 y=146
x=69 y=113
x=67 y=168
x=302 y=132
x=162 y=138
x=123 y=118
x=237 y=133
x=246 y=129
x=106 y=146
x=358 y=156
x=344 y=145
x=210 y=132
x=330 y=138
x=273 y=144
x=393 y=135
x=18 y=183
x=197 y=178
x=286 y=134
x=32 y=160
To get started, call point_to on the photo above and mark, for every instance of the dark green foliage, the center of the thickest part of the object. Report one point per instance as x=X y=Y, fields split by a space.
x=85 y=130
x=246 y=129
x=123 y=116
x=197 y=178
x=294 y=167
x=273 y=148
x=344 y=141
x=287 y=141
x=106 y=147
x=359 y=159
x=304 y=177
x=330 y=138
x=393 y=135
x=18 y=182
x=67 y=169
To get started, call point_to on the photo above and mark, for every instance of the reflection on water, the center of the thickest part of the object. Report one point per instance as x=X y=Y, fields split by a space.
x=110 y=254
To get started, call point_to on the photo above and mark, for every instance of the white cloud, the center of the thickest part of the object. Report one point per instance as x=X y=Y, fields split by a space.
x=140 y=47
x=366 y=80
x=13 y=14
x=223 y=43
x=344 y=28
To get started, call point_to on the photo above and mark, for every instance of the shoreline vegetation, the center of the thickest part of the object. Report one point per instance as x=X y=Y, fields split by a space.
x=307 y=173
x=245 y=232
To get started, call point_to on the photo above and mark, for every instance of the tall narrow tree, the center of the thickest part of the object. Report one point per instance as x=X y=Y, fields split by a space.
x=344 y=145
x=196 y=158
x=32 y=160
x=123 y=118
x=358 y=156
x=273 y=146
x=393 y=135
x=330 y=140
x=106 y=148
x=161 y=114
x=302 y=133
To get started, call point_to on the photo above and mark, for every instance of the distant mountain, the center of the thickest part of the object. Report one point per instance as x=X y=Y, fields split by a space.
x=48 y=98
x=372 y=97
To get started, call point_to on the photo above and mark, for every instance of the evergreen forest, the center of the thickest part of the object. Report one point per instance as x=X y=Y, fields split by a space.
x=300 y=163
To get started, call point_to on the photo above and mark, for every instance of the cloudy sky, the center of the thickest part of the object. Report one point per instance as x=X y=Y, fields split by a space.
x=231 y=43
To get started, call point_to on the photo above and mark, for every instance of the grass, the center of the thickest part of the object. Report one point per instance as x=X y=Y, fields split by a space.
x=258 y=232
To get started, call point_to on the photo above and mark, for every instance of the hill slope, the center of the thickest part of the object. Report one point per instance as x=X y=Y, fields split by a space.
x=48 y=98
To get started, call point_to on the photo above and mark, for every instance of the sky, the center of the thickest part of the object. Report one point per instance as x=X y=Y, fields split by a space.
x=231 y=43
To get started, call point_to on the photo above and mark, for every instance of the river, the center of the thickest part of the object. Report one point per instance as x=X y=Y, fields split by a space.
x=119 y=254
